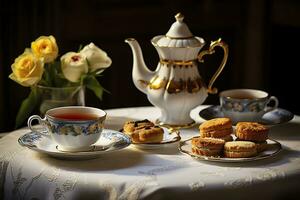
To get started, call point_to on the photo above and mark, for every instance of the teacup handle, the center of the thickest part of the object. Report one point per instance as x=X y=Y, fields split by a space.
x=41 y=121
x=210 y=51
x=276 y=101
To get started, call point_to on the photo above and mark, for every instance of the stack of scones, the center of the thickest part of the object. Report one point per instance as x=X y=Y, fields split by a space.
x=216 y=140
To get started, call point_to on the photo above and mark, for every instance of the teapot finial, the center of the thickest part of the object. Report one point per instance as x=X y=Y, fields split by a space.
x=179 y=17
x=179 y=29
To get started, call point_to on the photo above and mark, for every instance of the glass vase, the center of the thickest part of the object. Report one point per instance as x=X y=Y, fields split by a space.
x=52 y=97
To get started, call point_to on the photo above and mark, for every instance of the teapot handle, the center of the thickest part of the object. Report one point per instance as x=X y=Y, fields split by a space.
x=210 y=51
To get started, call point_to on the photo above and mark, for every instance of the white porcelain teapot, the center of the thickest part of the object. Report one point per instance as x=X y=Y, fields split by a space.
x=175 y=87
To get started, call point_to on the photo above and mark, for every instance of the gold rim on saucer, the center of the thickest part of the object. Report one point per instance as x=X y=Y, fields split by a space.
x=172 y=127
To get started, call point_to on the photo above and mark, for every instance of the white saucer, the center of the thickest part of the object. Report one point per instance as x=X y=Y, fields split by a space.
x=109 y=141
x=274 y=117
x=273 y=148
x=169 y=137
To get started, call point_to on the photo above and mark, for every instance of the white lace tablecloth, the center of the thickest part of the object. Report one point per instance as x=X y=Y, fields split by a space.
x=153 y=174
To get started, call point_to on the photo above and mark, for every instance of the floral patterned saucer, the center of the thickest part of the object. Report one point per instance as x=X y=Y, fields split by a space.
x=109 y=141
x=274 y=117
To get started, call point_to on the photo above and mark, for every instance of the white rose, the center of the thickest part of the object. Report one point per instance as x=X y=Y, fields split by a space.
x=73 y=65
x=97 y=58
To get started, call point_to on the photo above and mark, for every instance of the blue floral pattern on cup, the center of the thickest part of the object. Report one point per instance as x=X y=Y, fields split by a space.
x=72 y=128
x=242 y=105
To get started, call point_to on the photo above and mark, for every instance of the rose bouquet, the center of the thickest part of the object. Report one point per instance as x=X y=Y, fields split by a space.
x=38 y=65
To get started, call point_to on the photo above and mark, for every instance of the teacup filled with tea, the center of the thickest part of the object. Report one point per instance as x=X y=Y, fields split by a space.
x=246 y=104
x=73 y=128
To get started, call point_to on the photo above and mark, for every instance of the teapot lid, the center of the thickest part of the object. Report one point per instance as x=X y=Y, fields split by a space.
x=179 y=29
x=179 y=35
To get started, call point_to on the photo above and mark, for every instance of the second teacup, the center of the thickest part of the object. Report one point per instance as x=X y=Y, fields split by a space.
x=72 y=128
x=246 y=104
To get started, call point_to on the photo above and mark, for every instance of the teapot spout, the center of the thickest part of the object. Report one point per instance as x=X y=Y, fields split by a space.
x=141 y=75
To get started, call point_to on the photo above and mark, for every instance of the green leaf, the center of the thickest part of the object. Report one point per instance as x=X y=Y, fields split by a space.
x=47 y=77
x=52 y=76
x=92 y=83
x=27 y=107
x=60 y=80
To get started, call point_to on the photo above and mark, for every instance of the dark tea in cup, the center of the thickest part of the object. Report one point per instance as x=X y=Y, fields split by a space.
x=242 y=96
x=75 y=116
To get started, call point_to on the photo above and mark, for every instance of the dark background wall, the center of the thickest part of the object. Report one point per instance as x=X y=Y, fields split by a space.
x=262 y=36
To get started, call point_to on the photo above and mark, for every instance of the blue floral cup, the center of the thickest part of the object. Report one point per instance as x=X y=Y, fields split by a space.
x=246 y=104
x=72 y=128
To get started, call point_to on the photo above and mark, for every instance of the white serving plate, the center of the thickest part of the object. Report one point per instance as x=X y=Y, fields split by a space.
x=274 y=147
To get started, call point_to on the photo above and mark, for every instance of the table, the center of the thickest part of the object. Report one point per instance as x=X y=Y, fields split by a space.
x=149 y=174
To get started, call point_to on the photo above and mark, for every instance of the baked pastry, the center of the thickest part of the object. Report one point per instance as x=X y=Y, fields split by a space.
x=240 y=149
x=207 y=146
x=251 y=131
x=260 y=146
x=131 y=126
x=216 y=128
x=143 y=131
x=227 y=138
x=148 y=134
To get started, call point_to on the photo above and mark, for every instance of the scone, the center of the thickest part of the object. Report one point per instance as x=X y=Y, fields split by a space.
x=148 y=134
x=240 y=149
x=227 y=138
x=207 y=146
x=260 y=146
x=251 y=131
x=143 y=131
x=216 y=128
x=130 y=126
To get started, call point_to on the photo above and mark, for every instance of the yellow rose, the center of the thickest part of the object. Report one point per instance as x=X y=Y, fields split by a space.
x=27 y=69
x=45 y=47
x=73 y=65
